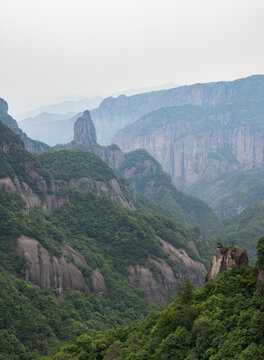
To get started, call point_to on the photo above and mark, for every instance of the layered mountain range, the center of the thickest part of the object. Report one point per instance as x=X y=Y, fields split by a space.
x=91 y=238
x=202 y=146
x=70 y=185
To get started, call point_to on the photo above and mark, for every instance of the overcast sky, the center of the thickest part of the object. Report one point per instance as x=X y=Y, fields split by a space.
x=56 y=49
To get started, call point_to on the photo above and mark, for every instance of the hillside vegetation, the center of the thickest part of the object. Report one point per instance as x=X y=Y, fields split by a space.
x=147 y=178
x=221 y=321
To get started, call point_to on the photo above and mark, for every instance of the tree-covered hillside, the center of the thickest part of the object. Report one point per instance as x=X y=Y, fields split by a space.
x=147 y=178
x=66 y=165
x=230 y=194
x=116 y=245
x=221 y=321
x=243 y=230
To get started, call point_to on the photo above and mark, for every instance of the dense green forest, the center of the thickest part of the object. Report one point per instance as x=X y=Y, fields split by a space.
x=36 y=322
x=222 y=321
x=67 y=165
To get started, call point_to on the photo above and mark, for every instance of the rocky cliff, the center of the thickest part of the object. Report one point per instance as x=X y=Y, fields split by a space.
x=115 y=113
x=31 y=145
x=19 y=172
x=224 y=259
x=84 y=131
x=85 y=139
x=194 y=145
x=162 y=276
x=60 y=273
x=146 y=177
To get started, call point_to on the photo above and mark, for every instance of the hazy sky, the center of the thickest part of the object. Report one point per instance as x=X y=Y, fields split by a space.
x=53 y=49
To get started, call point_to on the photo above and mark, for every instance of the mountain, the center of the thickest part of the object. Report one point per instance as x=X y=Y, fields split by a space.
x=146 y=177
x=184 y=208
x=231 y=193
x=115 y=113
x=243 y=230
x=31 y=145
x=50 y=128
x=221 y=321
x=202 y=143
x=64 y=107
x=75 y=255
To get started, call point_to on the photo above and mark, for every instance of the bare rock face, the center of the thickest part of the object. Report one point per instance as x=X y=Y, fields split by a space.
x=201 y=141
x=46 y=198
x=98 y=283
x=161 y=277
x=51 y=272
x=112 y=155
x=223 y=260
x=111 y=189
x=84 y=130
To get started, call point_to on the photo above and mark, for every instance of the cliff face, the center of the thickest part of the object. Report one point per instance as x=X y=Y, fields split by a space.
x=109 y=188
x=51 y=272
x=115 y=113
x=85 y=139
x=21 y=173
x=194 y=145
x=224 y=259
x=164 y=276
x=45 y=197
x=46 y=271
x=84 y=131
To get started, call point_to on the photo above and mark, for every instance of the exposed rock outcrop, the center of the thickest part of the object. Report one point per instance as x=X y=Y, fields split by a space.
x=160 y=277
x=46 y=197
x=114 y=114
x=111 y=189
x=84 y=131
x=224 y=259
x=47 y=271
x=98 y=283
x=201 y=143
x=85 y=139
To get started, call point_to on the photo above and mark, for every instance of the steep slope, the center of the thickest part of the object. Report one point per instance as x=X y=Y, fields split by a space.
x=231 y=194
x=84 y=138
x=115 y=113
x=146 y=177
x=195 y=144
x=243 y=230
x=31 y=145
x=90 y=251
x=221 y=321
x=85 y=170
x=19 y=172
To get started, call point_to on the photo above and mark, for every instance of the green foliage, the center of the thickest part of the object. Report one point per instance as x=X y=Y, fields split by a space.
x=223 y=320
x=232 y=192
x=157 y=186
x=67 y=165
x=243 y=230
x=260 y=253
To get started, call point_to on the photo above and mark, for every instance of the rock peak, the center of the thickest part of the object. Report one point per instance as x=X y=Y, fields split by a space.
x=224 y=259
x=84 y=130
x=3 y=105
